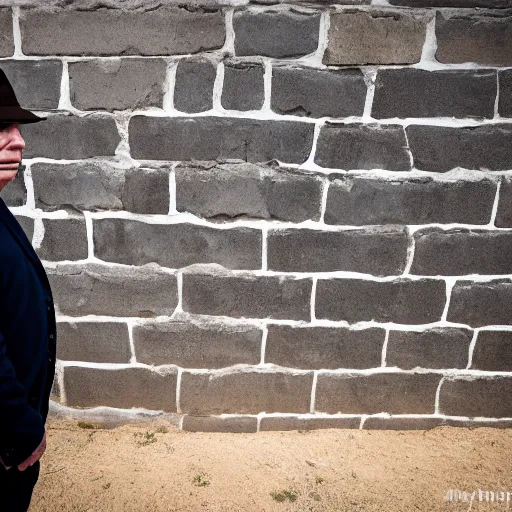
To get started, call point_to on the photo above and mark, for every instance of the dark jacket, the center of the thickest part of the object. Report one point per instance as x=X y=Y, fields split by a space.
x=27 y=343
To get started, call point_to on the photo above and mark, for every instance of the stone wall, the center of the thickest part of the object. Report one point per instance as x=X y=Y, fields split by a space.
x=263 y=217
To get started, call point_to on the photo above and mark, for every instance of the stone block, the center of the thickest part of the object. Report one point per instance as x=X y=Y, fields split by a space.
x=268 y=423
x=442 y=148
x=316 y=93
x=93 y=342
x=358 y=146
x=399 y=423
x=7 y=39
x=27 y=224
x=96 y=289
x=316 y=348
x=243 y=87
x=218 y=138
x=15 y=192
x=146 y=191
x=233 y=424
x=380 y=251
x=117 y=84
x=245 y=391
x=233 y=190
x=492 y=4
x=133 y=242
x=250 y=296
x=505 y=99
x=193 y=91
x=504 y=211
x=401 y=301
x=197 y=345
x=394 y=393
x=374 y=37
x=284 y=34
x=493 y=351
x=358 y=201
x=64 y=239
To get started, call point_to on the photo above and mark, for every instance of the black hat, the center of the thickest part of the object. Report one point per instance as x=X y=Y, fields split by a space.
x=10 y=110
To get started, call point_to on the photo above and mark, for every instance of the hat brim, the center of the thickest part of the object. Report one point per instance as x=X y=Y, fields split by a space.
x=18 y=115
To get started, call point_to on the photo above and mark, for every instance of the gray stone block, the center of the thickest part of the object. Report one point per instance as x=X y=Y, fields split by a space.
x=117 y=84
x=217 y=138
x=27 y=224
x=123 y=388
x=418 y=93
x=481 y=303
x=358 y=146
x=96 y=289
x=317 y=92
x=233 y=190
x=493 y=351
x=476 y=396
x=146 y=191
x=193 y=91
x=94 y=342
x=64 y=239
x=441 y=148
x=398 y=423
x=381 y=251
x=459 y=252
x=243 y=86
x=15 y=192
x=401 y=301
x=7 y=39
x=117 y=32
x=276 y=34
x=504 y=212
x=233 y=424
x=374 y=37
x=505 y=99
x=70 y=137
x=55 y=392
x=268 y=423
x=486 y=40
x=316 y=348
x=193 y=345
x=394 y=393
x=492 y=4
x=369 y=201
x=176 y=245
x=245 y=391
x=247 y=296
x=35 y=83
x=435 y=348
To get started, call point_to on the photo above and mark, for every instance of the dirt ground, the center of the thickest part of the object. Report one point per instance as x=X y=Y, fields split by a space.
x=154 y=467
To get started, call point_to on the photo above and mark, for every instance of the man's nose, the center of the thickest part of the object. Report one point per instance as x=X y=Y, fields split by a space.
x=16 y=140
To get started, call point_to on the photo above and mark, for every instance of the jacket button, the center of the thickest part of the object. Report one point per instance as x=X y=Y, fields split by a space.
x=51 y=336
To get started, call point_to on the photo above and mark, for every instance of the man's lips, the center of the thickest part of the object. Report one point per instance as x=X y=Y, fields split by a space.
x=9 y=166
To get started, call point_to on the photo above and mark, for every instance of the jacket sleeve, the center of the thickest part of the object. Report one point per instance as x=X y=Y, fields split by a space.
x=21 y=426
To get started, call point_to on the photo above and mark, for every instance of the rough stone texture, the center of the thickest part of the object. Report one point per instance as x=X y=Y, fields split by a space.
x=175 y=245
x=6 y=39
x=96 y=289
x=358 y=146
x=486 y=40
x=481 y=303
x=27 y=224
x=120 y=31
x=189 y=345
x=94 y=342
x=504 y=212
x=230 y=191
x=435 y=348
x=15 y=193
x=64 y=239
x=397 y=423
x=275 y=34
x=298 y=423
x=213 y=138
x=55 y=393
x=394 y=393
x=401 y=301
x=316 y=348
x=193 y=91
x=374 y=37
x=366 y=201
x=116 y=84
x=505 y=99
x=248 y=424
x=146 y=191
x=459 y=252
x=247 y=296
x=492 y=4
x=476 y=396
x=378 y=251
x=24 y=74
x=123 y=388
x=448 y=93
x=243 y=86
x=70 y=137
x=245 y=391
x=317 y=93
x=440 y=148
x=492 y=351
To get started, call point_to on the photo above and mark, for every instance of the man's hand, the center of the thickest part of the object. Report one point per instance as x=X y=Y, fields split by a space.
x=38 y=452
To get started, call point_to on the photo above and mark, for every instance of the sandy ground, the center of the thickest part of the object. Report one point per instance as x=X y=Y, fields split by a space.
x=152 y=467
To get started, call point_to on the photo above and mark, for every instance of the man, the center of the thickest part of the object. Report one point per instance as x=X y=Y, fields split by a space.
x=27 y=329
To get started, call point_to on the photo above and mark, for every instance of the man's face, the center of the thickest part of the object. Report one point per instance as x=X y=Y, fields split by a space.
x=11 y=149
